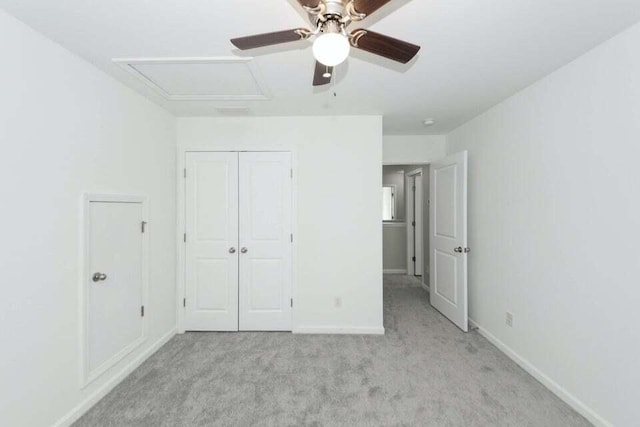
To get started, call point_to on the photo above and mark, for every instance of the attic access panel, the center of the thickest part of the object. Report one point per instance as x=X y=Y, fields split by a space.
x=199 y=79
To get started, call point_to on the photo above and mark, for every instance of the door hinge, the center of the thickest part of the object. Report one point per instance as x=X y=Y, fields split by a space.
x=143 y=225
x=291 y=237
x=185 y=172
x=184 y=237
x=413 y=259
x=184 y=302
x=291 y=170
x=413 y=223
x=142 y=311
x=291 y=302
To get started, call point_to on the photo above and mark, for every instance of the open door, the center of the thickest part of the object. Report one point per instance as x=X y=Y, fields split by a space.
x=448 y=237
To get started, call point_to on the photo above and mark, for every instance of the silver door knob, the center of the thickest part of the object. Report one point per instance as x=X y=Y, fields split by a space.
x=458 y=249
x=97 y=277
x=244 y=250
x=232 y=250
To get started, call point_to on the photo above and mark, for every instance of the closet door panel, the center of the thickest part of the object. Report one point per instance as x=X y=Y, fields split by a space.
x=265 y=241
x=211 y=242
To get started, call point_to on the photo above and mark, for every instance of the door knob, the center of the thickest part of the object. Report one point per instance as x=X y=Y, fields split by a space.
x=244 y=250
x=458 y=249
x=232 y=250
x=97 y=277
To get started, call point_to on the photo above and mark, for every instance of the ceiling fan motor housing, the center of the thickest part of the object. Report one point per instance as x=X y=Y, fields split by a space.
x=329 y=12
x=334 y=7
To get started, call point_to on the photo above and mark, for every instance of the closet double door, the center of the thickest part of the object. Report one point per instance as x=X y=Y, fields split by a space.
x=238 y=241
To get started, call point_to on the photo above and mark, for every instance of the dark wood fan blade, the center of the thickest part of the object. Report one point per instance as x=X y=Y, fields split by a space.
x=318 y=77
x=367 y=7
x=268 y=39
x=309 y=3
x=386 y=46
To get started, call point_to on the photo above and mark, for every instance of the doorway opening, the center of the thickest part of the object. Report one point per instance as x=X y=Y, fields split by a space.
x=425 y=230
x=405 y=191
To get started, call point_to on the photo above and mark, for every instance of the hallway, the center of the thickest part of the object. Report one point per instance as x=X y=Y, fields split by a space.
x=424 y=371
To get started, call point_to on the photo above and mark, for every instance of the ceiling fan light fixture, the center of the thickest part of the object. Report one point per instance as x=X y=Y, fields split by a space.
x=329 y=21
x=331 y=49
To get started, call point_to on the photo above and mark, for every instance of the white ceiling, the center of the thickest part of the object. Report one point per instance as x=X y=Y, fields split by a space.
x=474 y=53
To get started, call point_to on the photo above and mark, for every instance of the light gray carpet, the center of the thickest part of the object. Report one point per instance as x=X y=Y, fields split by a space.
x=424 y=371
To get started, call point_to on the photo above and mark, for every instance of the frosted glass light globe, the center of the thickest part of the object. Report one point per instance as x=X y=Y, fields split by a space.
x=331 y=49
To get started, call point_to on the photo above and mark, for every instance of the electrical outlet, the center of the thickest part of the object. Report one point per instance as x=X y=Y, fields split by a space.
x=509 y=319
x=337 y=302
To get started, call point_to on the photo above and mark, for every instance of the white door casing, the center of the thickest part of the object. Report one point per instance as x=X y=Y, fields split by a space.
x=211 y=282
x=409 y=195
x=448 y=238
x=415 y=218
x=266 y=241
x=115 y=253
x=419 y=228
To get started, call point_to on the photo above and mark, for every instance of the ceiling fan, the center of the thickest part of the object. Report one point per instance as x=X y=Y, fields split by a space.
x=333 y=43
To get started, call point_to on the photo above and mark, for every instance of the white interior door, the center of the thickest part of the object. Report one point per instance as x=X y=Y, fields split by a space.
x=265 y=241
x=211 y=242
x=448 y=233
x=114 y=283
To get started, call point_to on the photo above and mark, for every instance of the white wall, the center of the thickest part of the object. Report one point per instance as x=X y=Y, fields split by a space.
x=426 y=224
x=394 y=175
x=67 y=128
x=412 y=149
x=394 y=247
x=554 y=224
x=338 y=242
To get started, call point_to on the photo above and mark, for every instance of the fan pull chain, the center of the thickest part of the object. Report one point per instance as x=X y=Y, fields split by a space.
x=333 y=82
x=327 y=73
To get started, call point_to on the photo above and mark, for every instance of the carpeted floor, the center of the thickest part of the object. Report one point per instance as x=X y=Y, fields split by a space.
x=424 y=372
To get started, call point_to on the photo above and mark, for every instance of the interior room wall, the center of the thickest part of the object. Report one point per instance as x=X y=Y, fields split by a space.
x=425 y=223
x=66 y=128
x=413 y=149
x=394 y=245
x=338 y=242
x=394 y=175
x=554 y=215
x=394 y=234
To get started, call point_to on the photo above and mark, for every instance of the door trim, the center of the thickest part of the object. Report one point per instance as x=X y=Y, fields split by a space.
x=181 y=257
x=409 y=199
x=86 y=377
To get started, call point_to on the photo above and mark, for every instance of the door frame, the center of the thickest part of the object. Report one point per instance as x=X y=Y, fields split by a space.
x=86 y=377
x=181 y=225
x=409 y=200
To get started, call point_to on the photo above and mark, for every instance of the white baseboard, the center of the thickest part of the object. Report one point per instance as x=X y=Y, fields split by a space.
x=394 y=271
x=556 y=388
x=336 y=330
x=425 y=286
x=102 y=391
